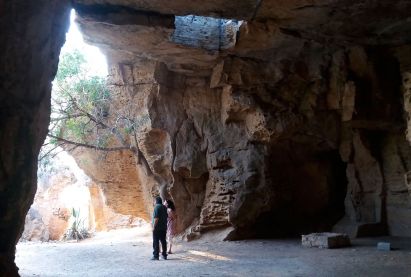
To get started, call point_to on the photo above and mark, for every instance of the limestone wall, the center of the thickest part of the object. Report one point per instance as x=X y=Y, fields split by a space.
x=305 y=109
x=271 y=134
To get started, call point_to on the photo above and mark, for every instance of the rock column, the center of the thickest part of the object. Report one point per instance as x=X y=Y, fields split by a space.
x=32 y=33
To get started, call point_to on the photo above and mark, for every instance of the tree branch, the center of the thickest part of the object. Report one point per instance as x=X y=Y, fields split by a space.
x=48 y=152
x=113 y=130
x=66 y=117
x=78 y=144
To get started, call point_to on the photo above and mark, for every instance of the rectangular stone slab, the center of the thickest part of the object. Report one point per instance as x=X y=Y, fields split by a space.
x=325 y=240
x=384 y=246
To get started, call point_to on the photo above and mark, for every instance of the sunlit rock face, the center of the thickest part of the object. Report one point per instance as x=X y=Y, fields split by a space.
x=61 y=187
x=265 y=118
x=116 y=178
x=64 y=187
x=48 y=216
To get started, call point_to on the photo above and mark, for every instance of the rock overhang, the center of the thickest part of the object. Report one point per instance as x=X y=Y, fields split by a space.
x=265 y=79
x=191 y=37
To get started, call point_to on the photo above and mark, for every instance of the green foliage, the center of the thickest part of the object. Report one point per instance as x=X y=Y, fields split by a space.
x=75 y=214
x=71 y=65
x=77 y=230
x=77 y=96
x=80 y=110
x=45 y=164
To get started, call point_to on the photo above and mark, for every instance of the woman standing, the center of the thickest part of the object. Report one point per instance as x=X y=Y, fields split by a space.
x=171 y=223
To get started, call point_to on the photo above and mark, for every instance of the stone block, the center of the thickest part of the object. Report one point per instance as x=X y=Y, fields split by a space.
x=325 y=240
x=384 y=246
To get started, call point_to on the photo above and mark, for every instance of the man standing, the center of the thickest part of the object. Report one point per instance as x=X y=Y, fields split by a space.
x=159 y=229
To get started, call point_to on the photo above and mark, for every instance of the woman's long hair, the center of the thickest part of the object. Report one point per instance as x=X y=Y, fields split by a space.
x=170 y=204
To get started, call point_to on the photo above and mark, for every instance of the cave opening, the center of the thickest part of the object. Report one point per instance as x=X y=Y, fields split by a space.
x=260 y=119
x=310 y=187
x=69 y=202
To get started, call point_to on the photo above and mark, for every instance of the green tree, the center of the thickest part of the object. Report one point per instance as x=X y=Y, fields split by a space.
x=80 y=108
x=77 y=99
x=81 y=115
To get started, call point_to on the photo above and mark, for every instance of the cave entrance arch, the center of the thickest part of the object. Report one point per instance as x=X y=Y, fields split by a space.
x=311 y=86
x=105 y=192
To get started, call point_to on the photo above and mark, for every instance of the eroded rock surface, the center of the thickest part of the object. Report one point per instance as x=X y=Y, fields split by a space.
x=116 y=176
x=48 y=217
x=263 y=117
x=266 y=121
x=32 y=34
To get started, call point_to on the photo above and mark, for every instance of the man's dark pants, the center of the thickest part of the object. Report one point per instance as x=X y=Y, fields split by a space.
x=159 y=236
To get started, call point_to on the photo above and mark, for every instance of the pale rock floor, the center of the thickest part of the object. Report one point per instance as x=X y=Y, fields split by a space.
x=127 y=252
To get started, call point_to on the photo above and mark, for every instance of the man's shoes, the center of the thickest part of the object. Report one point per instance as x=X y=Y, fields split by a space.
x=164 y=257
x=154 y=259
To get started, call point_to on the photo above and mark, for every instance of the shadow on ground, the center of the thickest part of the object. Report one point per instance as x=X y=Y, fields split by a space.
x=127 y=253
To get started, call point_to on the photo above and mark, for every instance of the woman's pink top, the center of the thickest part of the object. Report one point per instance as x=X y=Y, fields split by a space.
x=171 y=222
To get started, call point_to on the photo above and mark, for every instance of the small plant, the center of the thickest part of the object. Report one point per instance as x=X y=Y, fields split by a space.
x=77 y=230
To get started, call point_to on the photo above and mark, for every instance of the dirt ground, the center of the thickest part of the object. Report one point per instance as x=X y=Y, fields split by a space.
x=127 y=253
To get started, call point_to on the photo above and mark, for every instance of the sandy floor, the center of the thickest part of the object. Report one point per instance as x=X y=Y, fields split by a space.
x=127 y=253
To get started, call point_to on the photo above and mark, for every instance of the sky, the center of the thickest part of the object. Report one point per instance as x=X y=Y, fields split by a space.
x=96 y=61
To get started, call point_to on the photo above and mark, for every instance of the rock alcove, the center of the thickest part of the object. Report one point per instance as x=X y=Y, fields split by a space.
x=259 y=118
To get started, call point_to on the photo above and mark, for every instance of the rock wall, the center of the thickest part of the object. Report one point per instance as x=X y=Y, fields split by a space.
x=282 y=120
x=64 y=187
x=48 y=216
x=116 y=175
x=261 y=124
x=32 y=34
x=104 y=218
